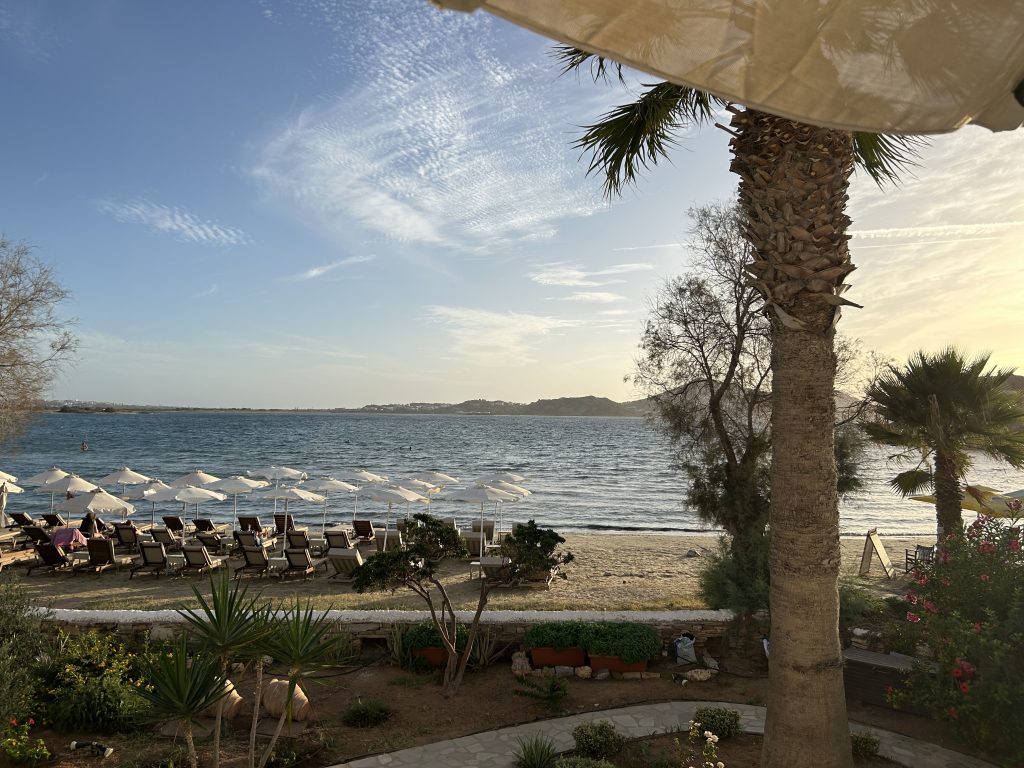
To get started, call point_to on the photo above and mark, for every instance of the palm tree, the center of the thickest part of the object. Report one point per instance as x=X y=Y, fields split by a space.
x=939 y=409
x=792 y=195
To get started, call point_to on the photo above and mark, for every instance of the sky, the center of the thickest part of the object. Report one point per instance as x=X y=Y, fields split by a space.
x=327 y=203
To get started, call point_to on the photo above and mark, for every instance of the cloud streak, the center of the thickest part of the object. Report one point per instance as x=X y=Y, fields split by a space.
x=573 y=275
x=495 y=339
x=324 y=269
x=172 y=220
x=596 y=297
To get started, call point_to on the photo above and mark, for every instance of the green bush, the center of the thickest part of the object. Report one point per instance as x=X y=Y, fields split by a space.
x=366 y=713
x=597 y=739
x=738 y=582
x=724 y=723
x=21 y=644
x=425 y=635
x=629 y=641
x=91 y=683
x=856 y=603
x=547 y=689
x=555 y=634
x=864 y=746
x=582 y=762
x=537 y=751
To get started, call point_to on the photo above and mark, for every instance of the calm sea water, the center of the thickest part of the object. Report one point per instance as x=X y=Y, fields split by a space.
x=599 y=474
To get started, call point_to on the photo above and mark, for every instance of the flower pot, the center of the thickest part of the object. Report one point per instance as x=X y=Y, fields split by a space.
x=435 y=657
x=615 y=664
x=557 y=657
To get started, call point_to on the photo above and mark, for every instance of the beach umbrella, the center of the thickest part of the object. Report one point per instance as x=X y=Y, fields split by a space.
x=47 y=476
x=142 y=492
x=5 y=488
x=480 y=494
x=235 y=486
x=97 y=501
x=982 y=500
x=364 y=476
x=896 y=67
x=327 y=486
x=189 y=494
x=123 y=477
x=277 y=474
x=6 y=478
x=515 y=490
x=72 y=484
x=288 y=495
x=390 y=495
x=197 y=478
x=505 y=477
x=439 y=479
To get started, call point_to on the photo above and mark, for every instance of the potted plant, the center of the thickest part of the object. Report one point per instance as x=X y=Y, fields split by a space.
x=424 y=642
x=620 y=647
x=556 y=644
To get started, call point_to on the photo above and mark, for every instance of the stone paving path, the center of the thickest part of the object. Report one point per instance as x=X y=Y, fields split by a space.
x=496 y=749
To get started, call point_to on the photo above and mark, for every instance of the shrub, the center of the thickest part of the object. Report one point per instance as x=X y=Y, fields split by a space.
x=555 y=634
x=18 y=746
x=967 y=608
x=547 y=689
x=597 y=739
x=856 y=603
x=582 y=762
x=21 y=644
x=537 y=751
x=366 y=713
x=724 y=723
x=425 y=635
x=533 y=550
x=91 y=683
x=864 y=746
x=629 y=641
x=736 y=582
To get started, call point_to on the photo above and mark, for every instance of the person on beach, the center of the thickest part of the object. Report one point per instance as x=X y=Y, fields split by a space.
x=92 y=525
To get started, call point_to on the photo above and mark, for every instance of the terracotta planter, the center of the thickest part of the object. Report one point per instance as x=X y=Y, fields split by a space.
x=436 y=657
x=557 y=657
x=615 y=664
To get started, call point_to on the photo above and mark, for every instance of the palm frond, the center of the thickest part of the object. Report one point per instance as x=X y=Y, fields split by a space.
x=572 y=59
x=912 y=481
x=632 y=137
x=886 y=157
x=181 y=686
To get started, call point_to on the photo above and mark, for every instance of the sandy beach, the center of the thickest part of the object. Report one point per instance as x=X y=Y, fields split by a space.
x=613 y=572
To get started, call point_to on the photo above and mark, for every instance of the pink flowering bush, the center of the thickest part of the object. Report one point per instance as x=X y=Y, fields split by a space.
x=967 y=608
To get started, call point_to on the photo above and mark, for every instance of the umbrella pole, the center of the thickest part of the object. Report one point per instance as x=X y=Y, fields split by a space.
x=323 y=528
x=481 y=529
x=234 y=523
x=51 y=502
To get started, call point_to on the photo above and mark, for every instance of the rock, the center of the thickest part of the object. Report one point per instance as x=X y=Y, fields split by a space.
x=520 y=664
x=631 y=675
x=563 y=671
x=701 y=675
x=650 y=675
x=709 y=662
x=584 y=673
x=602 y=674
x=692 y=553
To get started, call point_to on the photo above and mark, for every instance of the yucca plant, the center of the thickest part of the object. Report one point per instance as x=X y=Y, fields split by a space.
x=537 y=751
x=181 y=687
x=302 y=642
x=225 y=627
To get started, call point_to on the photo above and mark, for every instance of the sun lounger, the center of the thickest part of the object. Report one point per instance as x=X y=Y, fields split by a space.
x=35 y=535
x=489 y=526
x=344 y=562
x=53 y=520
x=154 y=559
x=494 y=569
x=285 y=522
x=175 y=524
x=245 y=539
x=102 y=557
x=252 y=523
x=300 y=563
x=126 y=536
x=256 y=562
x=198 y=561
x=476 y=541
x=214 y=542
x=338 y=539
x=389 y=539
x=21 y=519
x=301 y=540
x=206 y=525
x=51 y=557
x=364 y=530
x=167 y=537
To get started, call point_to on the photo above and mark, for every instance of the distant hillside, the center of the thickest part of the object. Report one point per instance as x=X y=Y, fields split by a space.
x=562 y=406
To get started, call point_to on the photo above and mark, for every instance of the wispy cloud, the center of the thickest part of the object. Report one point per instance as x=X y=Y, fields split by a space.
x=647 y=247
x=212 y=289
x=597 y=297
x=324 y=269
x=165 y=219
x=495 y=338
x=438 y=141
x=946 y=232
x=573 y=275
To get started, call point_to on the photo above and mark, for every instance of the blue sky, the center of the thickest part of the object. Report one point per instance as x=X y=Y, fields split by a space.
x=317 y=203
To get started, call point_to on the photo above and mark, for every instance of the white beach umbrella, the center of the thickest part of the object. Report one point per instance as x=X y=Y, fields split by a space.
x=277 y=474
x=97 y=501
x=142 y=492
x=364 y=476
x=197 y=478
x=515 y=490
x=235 y=486
x=46 y=476
x=189 y=494
x=436 y=478
x=72 y=484
x=7 y=478
x=901 y=66
x=288 y=495
x=327 y=486
x=123 y=477
x=505 y=477
x=480 y=494
x=391 y=495
x=420 y=486
x=5 y=488
x=9 y=487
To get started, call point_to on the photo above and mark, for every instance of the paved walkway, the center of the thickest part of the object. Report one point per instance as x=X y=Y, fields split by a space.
x=495 y=749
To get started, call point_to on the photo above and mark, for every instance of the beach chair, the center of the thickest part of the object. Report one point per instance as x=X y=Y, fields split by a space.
x=154 y=559
x=300 y=563
x=245 y=539
x=388 y=539
x=167 y=537
x=126 y=536
x=102 y=557
x=53 y=520
x=285 y=522
x=338 y=539
x=488 y=527
x=206 y=525
x=256 y=562
x=214 y=542
x=344 y=561
x=300 y=540
x=495 y=570
x=198 y=561
x=364 y=530
x=252 y=523
x=51 y=557
x=175 y=525
x=476 y=542
x=919 y=554
x=34 y=535
x=21 y=519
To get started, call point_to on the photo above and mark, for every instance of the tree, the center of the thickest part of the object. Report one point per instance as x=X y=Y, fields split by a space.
x=793 y=181
x=939 y=409
x=34 y=341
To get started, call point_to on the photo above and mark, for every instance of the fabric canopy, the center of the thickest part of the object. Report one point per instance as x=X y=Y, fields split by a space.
x=887 y=66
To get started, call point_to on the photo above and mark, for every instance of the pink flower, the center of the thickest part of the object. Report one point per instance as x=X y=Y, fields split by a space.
x=952 y=713
x=31 y=721
x=913 y=618
x=986 y=547
x=945 y=582
x=984 y=577
x=957 y=672
x=977 y=628
x=911 y=598
x=964 y=688
x=1014 y=545
x=930 y=606
x=922 y=580
x=13 y=721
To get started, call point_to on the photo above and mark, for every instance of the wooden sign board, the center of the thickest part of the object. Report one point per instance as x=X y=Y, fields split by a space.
x=872 y=544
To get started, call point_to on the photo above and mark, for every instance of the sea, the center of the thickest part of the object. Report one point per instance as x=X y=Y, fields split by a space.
x=607 y=475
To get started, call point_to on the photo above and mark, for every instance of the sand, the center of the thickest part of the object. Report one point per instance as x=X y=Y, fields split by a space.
x=613 y=572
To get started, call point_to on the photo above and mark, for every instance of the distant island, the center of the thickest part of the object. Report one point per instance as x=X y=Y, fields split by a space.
x=560 y=406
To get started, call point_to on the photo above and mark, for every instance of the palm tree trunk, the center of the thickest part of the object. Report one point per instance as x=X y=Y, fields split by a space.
x=793 y=191
x=947 y=497
x=190 y=745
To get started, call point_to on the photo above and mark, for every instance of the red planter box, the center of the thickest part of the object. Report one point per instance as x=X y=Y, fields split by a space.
x=557 y=657
x=615 y=664
x=436 y=657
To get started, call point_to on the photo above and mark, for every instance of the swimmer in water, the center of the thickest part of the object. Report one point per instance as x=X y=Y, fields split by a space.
x=84 y=446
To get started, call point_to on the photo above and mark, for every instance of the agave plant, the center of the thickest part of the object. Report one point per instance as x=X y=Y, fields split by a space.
x=182 y=687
